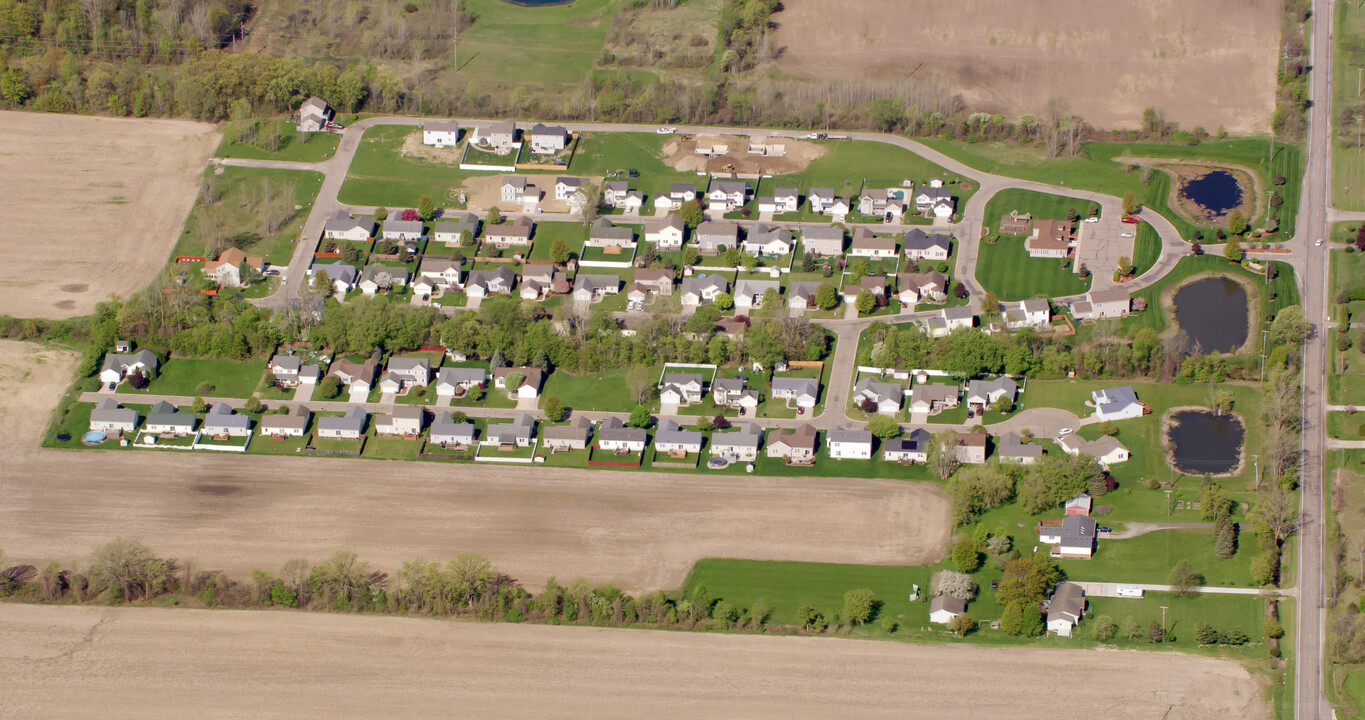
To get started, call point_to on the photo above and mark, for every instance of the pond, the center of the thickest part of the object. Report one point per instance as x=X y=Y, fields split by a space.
x=1217 y=191
x=1213 y=313
x=1202 y=442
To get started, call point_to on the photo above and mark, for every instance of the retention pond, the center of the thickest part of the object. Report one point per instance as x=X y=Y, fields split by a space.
x=1201 y=442
x=1213 y=313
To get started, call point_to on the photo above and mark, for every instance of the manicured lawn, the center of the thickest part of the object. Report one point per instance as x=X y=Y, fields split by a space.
x=599 y=391
x=379 y=175
x=1155 y=317
x=183 y=376
x=1346 y=426
x=391 y=448
x=294 y=145
x=1222 y=612
x=1348 y=163
x=573 y=234
x=1149 y=559
x=243 y=193
x=74 y=420
x=1146 y=249
x=1005 y=267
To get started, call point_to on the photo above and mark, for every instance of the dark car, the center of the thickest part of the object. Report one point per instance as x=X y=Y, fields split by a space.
x=1105 y=530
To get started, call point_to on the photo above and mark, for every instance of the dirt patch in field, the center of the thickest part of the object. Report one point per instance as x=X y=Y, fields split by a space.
x=97 y=204
x=681 y=154
x=60 y=661
x=413 y=148
x=485 y=191
x=1206 y=63
x=32 y=378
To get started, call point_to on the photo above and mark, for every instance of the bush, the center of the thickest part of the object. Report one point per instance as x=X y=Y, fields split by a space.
x=966 y=558
x=1104 y=628
x=889 y=625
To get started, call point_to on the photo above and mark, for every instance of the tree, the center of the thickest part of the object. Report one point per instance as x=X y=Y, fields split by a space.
x=866 y=302
x=470 y=576
x=942 y=453
x=1156 y=633
x=1103 y=627
x=826 y=296
x=1233 y=249
x=1022 y=619
x=977 y=489
x=514 y=381
x=1225 y=539
x=640 y=384
x=691 y=214
x=639 y=417
x=329 y=387
x=494 y=216
x=381 y=214
x=953 y=584
x=690 y=256
x=1185 y=580
x=1129 y=629
x=724 y=301
x=1125 y=266
x=963 y=625
x=1204 y=634
x=960 y=291
x=1291 y=327
x=1130 y=202
x=426 y=207
x=884 y=426
x=858 y=605
x=1275 y=514
x=810 y=618
x=129 y=566
x=1237 y=222
x=554 y=409
x=966 y=557
x=342 y=579
x=990 y=304
x=199 y=407
x=1028 y=579
x=559 y=251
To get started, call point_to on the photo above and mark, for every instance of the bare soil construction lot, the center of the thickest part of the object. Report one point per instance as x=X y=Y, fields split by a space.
x=1207 y=62
x=63 y=662
x=31 y=379
x=97 y=205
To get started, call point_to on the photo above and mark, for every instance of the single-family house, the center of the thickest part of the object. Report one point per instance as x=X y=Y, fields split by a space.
x=353 y=375
x=548 y=139
x=730 y=392
x=110 y=417
x=165 y=419
x=565 y=187
x=933 y=397
x=802 y=392
x=679 y=388
x=659 y=280
x=984 y=394
x=1117 y=403
x=1016 y=223
x=382 y=278
x=574 y=436
x=232 y=268
x=397 y=229
x=118 y=366
x=341 y=225
x=715 y=236
x=885 y=396
x=613 y=435
x=342 y=276
x=517 y=433
x=881 y=202
x=452 y=229
x=749 y=294
x=823 y=201
x=441 y=133
x=223 y=421
x=286 y=425
x=1050 y=239
x=450 y=434
x=913 y=448
x=726 y=195
x=824 y=241
x=1065 y=609
x=500 y=135
x=949 y=319
x=682 y=192
x=411 y=370
x=540 y=280
x=457 y=381
x=1098 y=304
x=403 y=421
x=875 y=284
x=516 y=189
x=768 y=240
x=916 y=288
x=783 y=200
x=671 y=439
x=592 y=288
x=945 y=608
x=1031 y=313
x=667 y=233
x=867 y=245
x=346 y=427
x=1012 y=448
x=285 y=369
x=920 y=245
x=971 y=448
x=738 y=445
x=702 y=289
x=531 y=380
x=796 y=446
x=443 y=272
x=801 y=295
x=849 y=443
x=482 y=283
x=517 y=232
x=935 y=200
x=602 y=233
x=1074 y=536
x=1107 y=450
x=314 y=115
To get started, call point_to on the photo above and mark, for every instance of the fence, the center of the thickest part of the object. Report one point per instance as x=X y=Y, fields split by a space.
x=221 y=448
x=424 y=455
x=308 y=448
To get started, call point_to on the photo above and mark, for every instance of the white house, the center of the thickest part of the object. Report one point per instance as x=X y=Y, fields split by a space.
x=315 y=115
x=1074 y=536
x=672 y=439
x=1098 y=304
x=867 y=245
x=548 y=139
x=882 y=203
x=402 y=421
x=441 y=133
x=397 y=229
x=740 y=445
x=613 y=435
x=922 y=287
x=1117 y=403
x=933 y=397
x=913 y=448
x=453 y=381
x=529 y=389
x=119 y=366
x=678 y=388
x=935 y=200
x=515 y=189
x=517 y=433
x=944 y=608
x=922 y=246
x=341 y=225
x=768 y=240
x=667 y=233
x=1065 y=609
x=803 y=392
x=849 y=444
x=749 y=294
x=983 y=394
x=1106 y=450
x=702 y=289
x=110 y=417
x=823 y=201
x=349 y=426
x=500 y=135
x=592 y=288
x=1034 y=313
x=726 y=195
x=567 y=186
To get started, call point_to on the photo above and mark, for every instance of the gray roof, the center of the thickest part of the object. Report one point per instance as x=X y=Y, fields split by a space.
x=849 y=435
x=596 y=282
x=983 y=388
x=222 y=416
x=342 y=221
x=1110 y=295
x=373 y=272
x=917 y=441
x=458 y=223
x=1013 y=446
x=933 y=392
x=408 y=364
x=823 y=232
x=1117 y=398
x=728 y=384
x=519 y=228
x=295 y=419
x=668 y=221
x=863 y=239
x=509 y=433
x=698 y=283
x=681 y=188
x=756 y=288
x=671 y=432
x=353 y=420
x=613 y=429
x=337 y=271
x=949 y=603
x=917 y=239
x=542 y=129
x=763 y=233
x=720 y=229
x=961 y=312
x=110 y=411
x=569 y=181
x=441 y=125
x=822 y=193
x=458 y=375
x=164 y=413
x=878 y=390
x=1077 y=530
x=1067 y=599
x=403 y=226
x=120 y=362
x=798 y=386
x=683 y=379
x=485 y=277
x=603 y=228
x=501 y=126
x=728 y=186
x=803 y=289
x=745 y=436
x=579 y=429
x=287 y=363
x=444 y=426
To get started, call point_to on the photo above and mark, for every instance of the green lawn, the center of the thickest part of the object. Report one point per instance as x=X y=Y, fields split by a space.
x=532 y=46
x=294 y=145
x=1146 y=249
x=238 y=210
x=1149 y=559
x=1346 y=426
x=599 y=391
x=1348 y=58
x=1156 y=317
x=183 y=376
x=1005 y=267
x=380 y=176
x=849 y=165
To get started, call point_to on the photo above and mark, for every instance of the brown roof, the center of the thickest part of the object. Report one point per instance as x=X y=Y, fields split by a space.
x=233 y=256
x=975 y=439
x=1051 y=235
x=652 y=276
x=533 y=375
x=803 y=437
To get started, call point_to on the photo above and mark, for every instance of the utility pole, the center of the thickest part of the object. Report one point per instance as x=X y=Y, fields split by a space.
x=1257 y=460
x=1168 y=502
x=1163 y=623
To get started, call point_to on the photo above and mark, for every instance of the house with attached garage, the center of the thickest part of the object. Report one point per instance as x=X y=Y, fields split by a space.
x=801 y=295
x=671 y=439
x=1031 y=313
x=517 y=232
x=592 y=288
x=801 y=392
x=680 y=388
x=971 y=448
x=1099 y=304
x=517 y=433
x=285 y=369
x=1117 y=403
x=983 y=394
x=450 y=434
x=341 y=225
x=659 y=280
x=232 y=268
x=946 y=608
x=702 y=289
x=730 y=392
x=451 y=229
x=875 y=284
x=1073 y=537
x=726 y=195
x=768 y=240
x=783 y=200
x=1106 y=450
x=354 y=376
x=949 y=319
x=739 y=445
x=1012 y=448
x=933 y=397
x=441 y=133
x=223 y=421
x=482 y=283
x=529 y=389
x=749 y=294
x=867 y=245
x=567 y=186
x=602 y=233
x=548 y=139
x=396 y=229
x=667 y=233
x=540 y=280
x=637 y=295
x=314 y=115
x=1065 y=609
x=682 y=192
x=516 y=189
x=796 y=446
x=562 y=438
x=618 y=194
x=882 y=203
x=402 y=421
x=913 y=448
x=613 y=435
x=823 y=241
x=382 y=278
x=916 y=288
x=823 y=201
x=457 y=381
x=110 y=417
x=346 y=427
x=285 y=425
x=411 y=370
x=118 y=366
x=886 y=396
x=935 y=200
x=715 y=236
x=499 y=136
x=849 y=444
x=165 y=419
x=1050 y=239
x=444 y=271
x=920 y=245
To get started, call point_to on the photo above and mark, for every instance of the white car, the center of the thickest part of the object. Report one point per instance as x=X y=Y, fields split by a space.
x=1092 y=219
x=1125 y=234
x=1065 y=431
x=1318 y=242
x=816 y=136
x=666 y=130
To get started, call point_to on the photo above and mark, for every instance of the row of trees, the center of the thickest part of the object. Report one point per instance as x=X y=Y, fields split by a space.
x=1041 y=486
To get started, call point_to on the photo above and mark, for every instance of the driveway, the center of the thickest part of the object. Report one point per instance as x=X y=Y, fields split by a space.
x=304 y=393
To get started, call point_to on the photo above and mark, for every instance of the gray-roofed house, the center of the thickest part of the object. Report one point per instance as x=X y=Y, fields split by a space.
x=738 y=445
x=457 y=381
x=443 y=272
x=659 y=280
x=566 y=186
x=347 y=427
x=730 y=392
x=285 y=425
x=450 y=434
x=1106 y=450
x=613 y=435
x=1065 y=609
x=919 y=245
x=382 y=278
x=945 y=608
x=933 y=397
x=563 y=438
x=679 y=388
x=541 y=280
x=1074 y=536
x=875 y=284
x=825 y=241
x=1099 y=304
x=984 y=394
x=402 y=421
x=849 y=443
x=715 y=236
x=726 y=195
x=676 y=441
x=548 y=139
x=865 y=244
x=451 y=228
x=501 y=134
x=949 y=319
x=801 y=392
x=667 y=233
x=916 y=288
x=285 y=368
x=796 y=446
x=823 y=201
x=118 y=366
x=913 y=448
x=749 y=294
x=1117 y=403
x=935 y=200
x=886 y=396
x=223 y=421
x=166 y=419
x=516 y=433
x=441 y=133
x=110 y=417
x=412 y=370
x=702 y=289
x=801 y=295
x=482 y=283
x=1012 y=448
x=682 y=192
x=768 y=240
x=602 y=233
x=341 y=225
x=398 y=229
x=592 y=288
x=341 y=275
x=1034 y=313
x=882 y=202
x=314 y=115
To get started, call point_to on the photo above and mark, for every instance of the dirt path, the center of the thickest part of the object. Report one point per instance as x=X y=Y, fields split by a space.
x=166 y=663
x=97 y=204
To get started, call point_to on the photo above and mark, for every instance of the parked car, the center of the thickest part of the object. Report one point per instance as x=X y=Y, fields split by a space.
x=1130 y=220
x=666 y=130
x=1092 y=219
x=1065 y=431
x=816 y=136
x=1105 y=530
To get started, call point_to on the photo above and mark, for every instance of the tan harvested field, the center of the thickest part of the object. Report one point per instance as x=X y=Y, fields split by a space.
x=32 y=378
x=98 y=204
x=61 y=662
x=1206 y=62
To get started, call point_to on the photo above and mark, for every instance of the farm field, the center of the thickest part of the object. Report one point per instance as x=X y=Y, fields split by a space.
x=104 y=198
x=434 y=665
x=1209 y=63
x=1348 y=58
